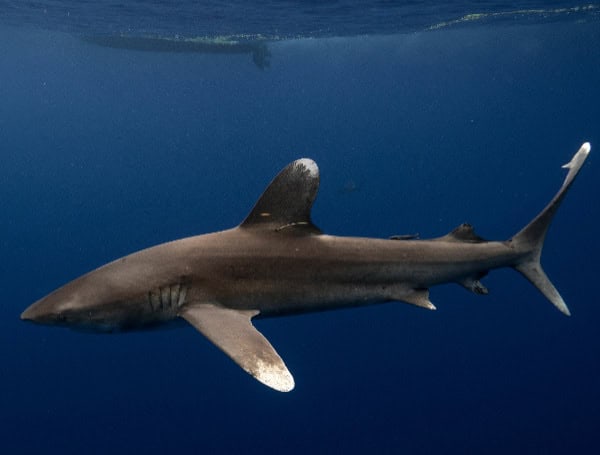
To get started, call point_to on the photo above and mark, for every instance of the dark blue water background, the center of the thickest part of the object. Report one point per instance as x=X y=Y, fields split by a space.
x=106 y=151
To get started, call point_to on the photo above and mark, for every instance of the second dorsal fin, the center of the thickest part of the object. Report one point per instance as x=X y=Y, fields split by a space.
x=286 y=203
x=463 y=233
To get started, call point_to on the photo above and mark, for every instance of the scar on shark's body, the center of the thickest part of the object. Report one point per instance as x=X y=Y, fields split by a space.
x=278 y=262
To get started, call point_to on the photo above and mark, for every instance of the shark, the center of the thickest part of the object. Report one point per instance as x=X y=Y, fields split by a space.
x=277 y=262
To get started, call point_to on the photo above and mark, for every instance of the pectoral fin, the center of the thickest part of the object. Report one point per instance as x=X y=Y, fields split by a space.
x=232 y=332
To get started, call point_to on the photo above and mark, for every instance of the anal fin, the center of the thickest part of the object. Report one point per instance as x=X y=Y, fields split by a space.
x=232 y=332
x=474 y=285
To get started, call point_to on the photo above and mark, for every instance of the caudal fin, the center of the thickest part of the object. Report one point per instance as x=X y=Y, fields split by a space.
x=531 y=238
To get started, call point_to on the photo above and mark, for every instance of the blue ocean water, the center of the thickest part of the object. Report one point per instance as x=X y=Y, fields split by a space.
x=420 y=116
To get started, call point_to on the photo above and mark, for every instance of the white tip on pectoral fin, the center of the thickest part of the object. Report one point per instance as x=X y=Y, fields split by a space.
x=232 y=332
x=274 y=375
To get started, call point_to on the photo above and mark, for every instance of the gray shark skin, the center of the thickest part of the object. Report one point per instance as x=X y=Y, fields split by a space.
x=277 y=262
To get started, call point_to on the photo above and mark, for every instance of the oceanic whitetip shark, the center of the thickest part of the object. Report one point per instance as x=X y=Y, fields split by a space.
x=276 y=263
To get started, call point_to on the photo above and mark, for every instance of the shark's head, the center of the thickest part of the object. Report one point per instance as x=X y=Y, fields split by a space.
x=115 y=297
x=93 y=302
x=45 y=311
x=69 y=307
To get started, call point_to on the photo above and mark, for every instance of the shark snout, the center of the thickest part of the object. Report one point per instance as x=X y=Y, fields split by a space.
x=27 y=315
x=42 y=312
x=35 y=313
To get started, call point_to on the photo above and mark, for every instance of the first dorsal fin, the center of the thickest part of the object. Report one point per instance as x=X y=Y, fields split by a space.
x=286 y=203
x=463 y=233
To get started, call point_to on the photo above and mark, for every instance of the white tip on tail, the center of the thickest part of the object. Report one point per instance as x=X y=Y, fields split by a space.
x=309 y=165
x=579 y=157
x=576 y=162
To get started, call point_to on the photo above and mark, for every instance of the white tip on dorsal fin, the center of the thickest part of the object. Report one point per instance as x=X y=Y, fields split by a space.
x=286 y=203
x=309 y=165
